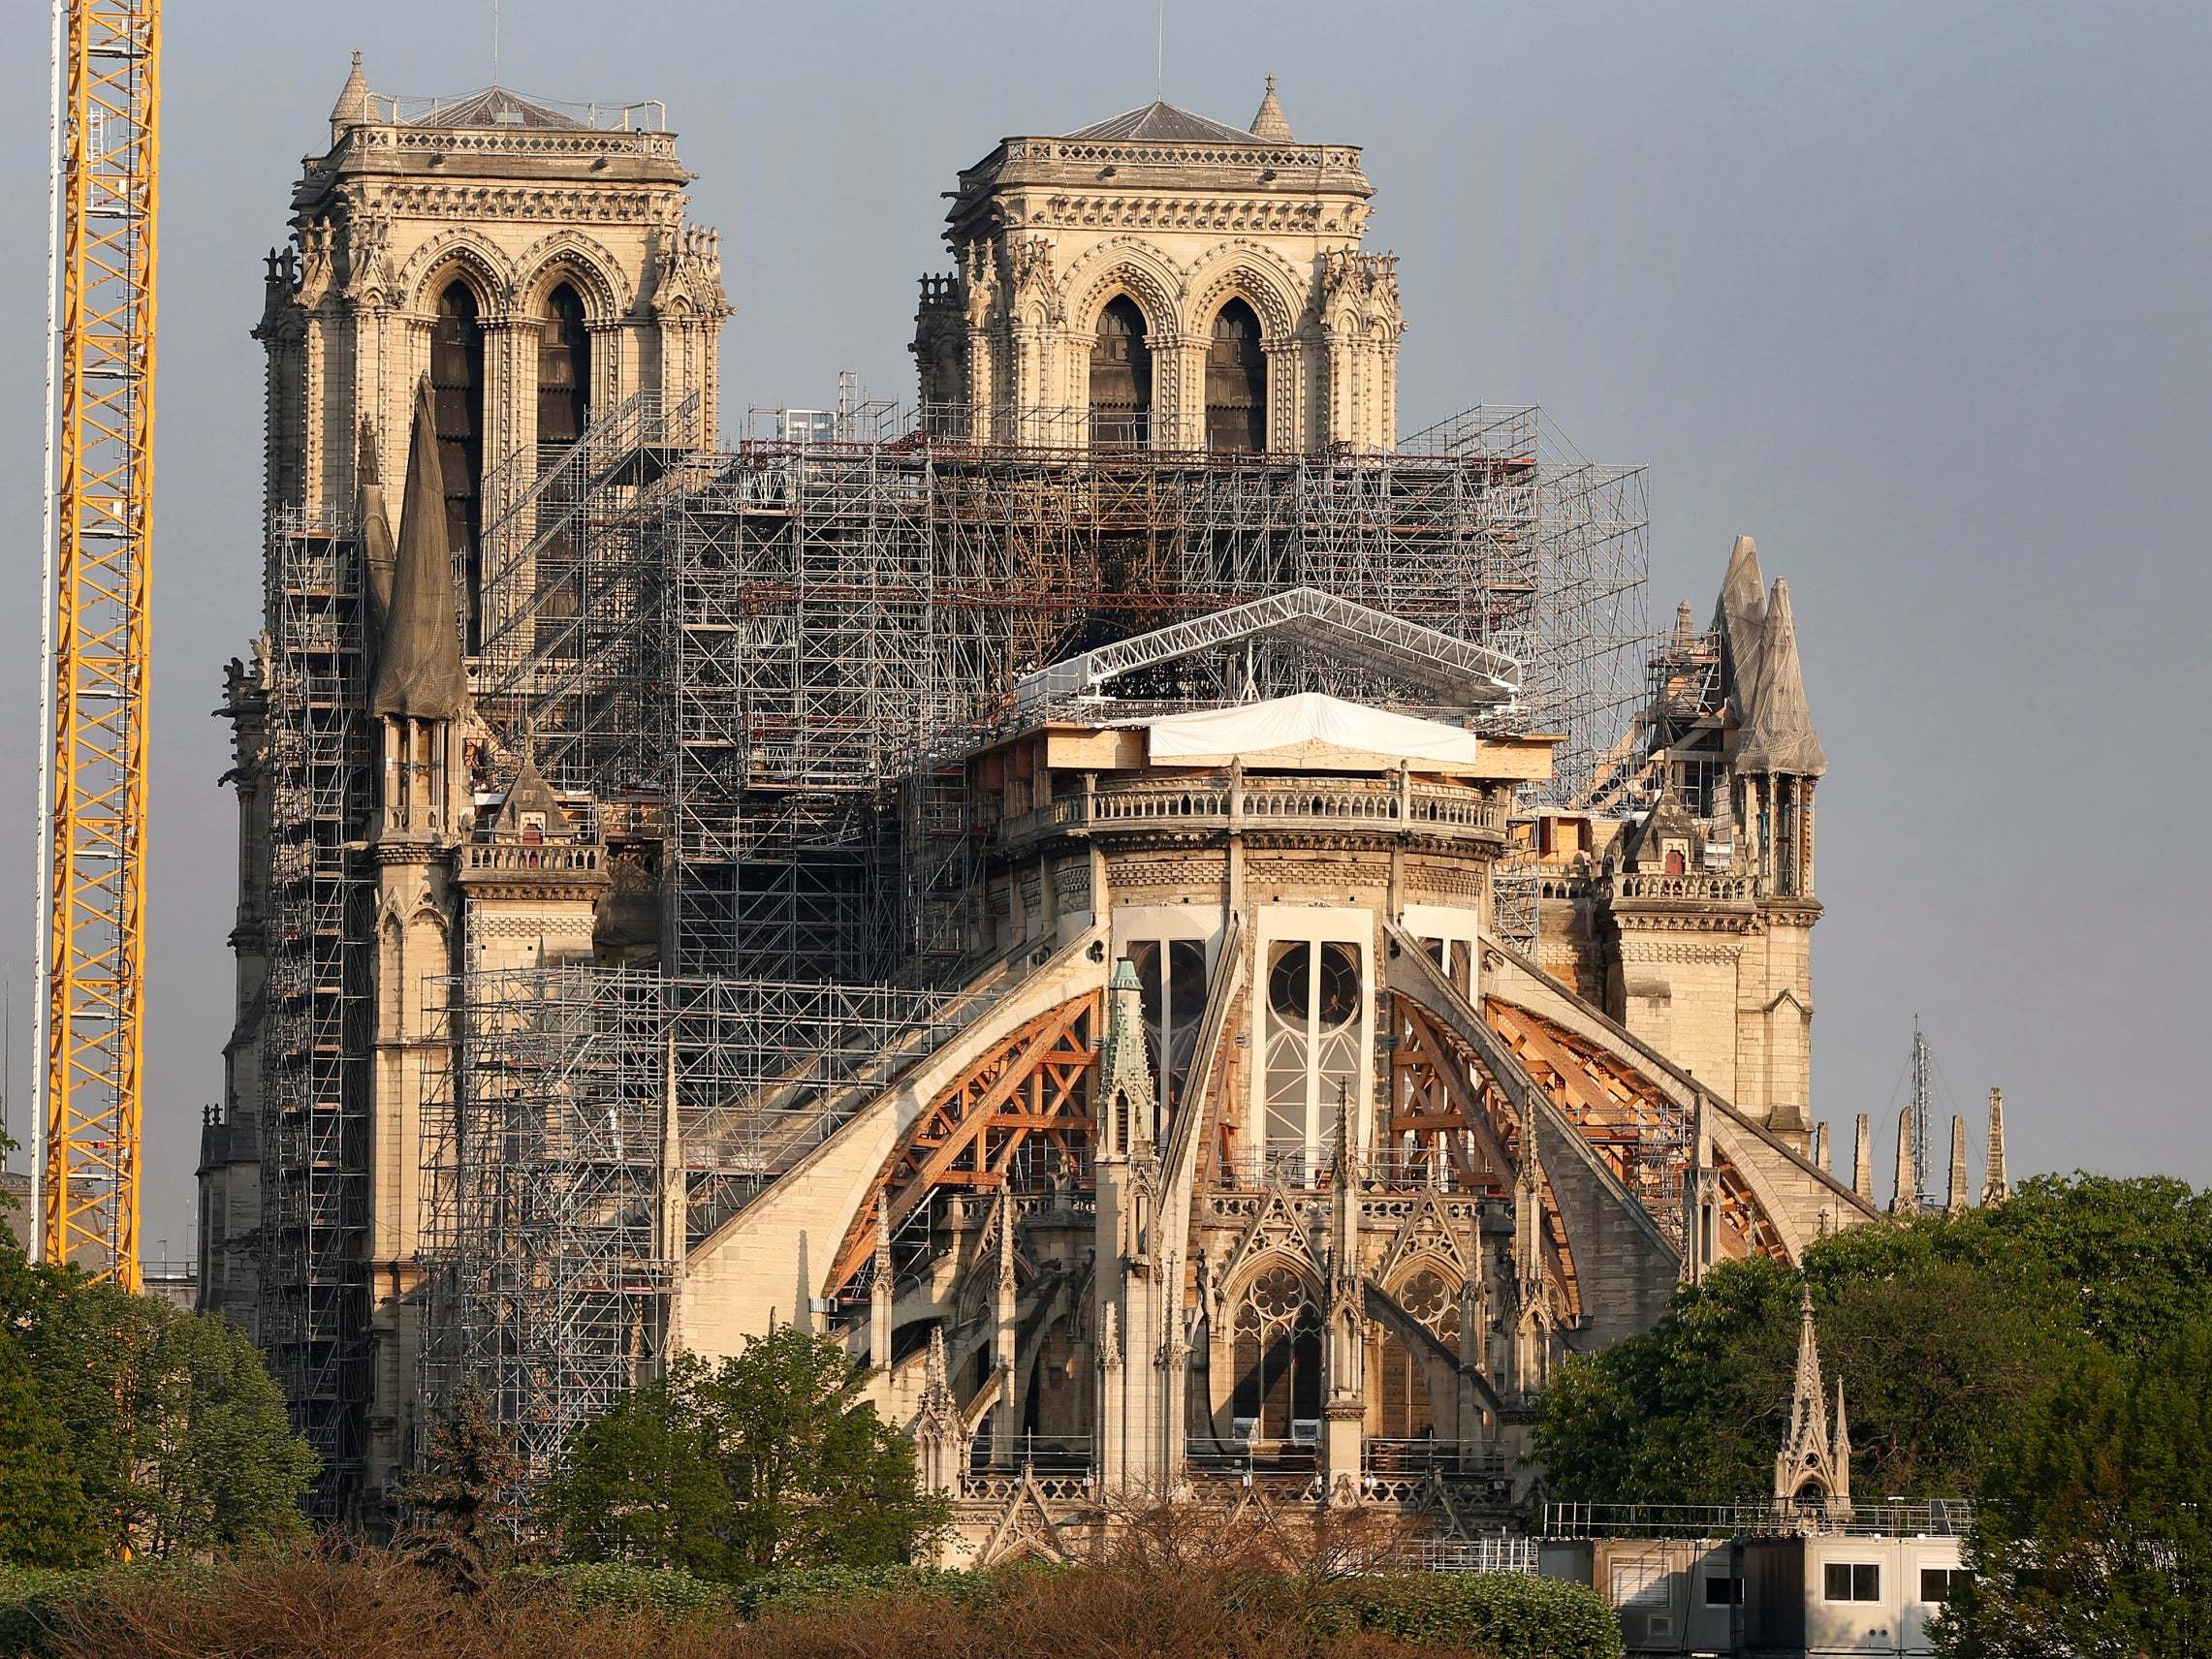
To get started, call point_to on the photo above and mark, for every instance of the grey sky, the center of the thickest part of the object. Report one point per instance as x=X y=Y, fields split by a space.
x=1916 y=294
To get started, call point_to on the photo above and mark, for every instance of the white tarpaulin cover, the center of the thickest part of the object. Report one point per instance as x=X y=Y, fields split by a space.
x=1309 y=729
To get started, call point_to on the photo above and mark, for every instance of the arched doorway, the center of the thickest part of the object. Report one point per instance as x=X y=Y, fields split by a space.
x=1236 y=382
x=1121 y=378
x=457 y=396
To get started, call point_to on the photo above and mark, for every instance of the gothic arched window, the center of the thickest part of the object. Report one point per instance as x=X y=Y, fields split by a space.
x=1236 y=382
x=1276 y=1357
x=456 y=392
x=564 y=368
x=1121 y=378
x=1406 y=1411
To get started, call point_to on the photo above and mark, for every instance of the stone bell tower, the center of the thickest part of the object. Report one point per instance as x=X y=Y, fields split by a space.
x=1158 y=279
x=470 y=284
x=533 y=260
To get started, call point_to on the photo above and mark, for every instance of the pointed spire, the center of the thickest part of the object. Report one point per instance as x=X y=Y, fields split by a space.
x=420 y=673
x=1904 y=1190
x=1955 y=1203
x=377 y=554
x=1270 y=123
x=1820 y=1144
x=1995 y=1190
x=1862 y=1160
x=1812 y=1471
x=1778 y=735
x=1808 y=1408
x=935 y=1380
x=1128 y=1103
x=1740 y=619
x=353 y=107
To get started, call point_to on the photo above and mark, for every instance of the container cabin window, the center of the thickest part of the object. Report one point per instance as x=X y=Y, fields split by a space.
x=1121 y=378
x=457 y=396
x=1236 y=382
x=1851 y=1582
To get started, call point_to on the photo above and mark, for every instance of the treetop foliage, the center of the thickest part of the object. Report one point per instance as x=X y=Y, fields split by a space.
x=126 y=1424
x=771 y=1459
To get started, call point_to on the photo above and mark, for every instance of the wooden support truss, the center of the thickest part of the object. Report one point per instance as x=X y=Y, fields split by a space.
x=1449 y=1118
x=1642 y=1133
x=1030 y=1093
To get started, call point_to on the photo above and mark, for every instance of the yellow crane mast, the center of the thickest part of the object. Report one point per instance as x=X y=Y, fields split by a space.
x=92 y=785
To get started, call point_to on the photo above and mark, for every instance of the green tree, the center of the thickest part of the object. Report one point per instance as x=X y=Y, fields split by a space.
x=461 y=1500
x=1939 y=1349
x=2095 y=1532
x=45 y=1520
x=218 y=1467
x=175 y=1435
x=641 y=1485
x=771 y=1459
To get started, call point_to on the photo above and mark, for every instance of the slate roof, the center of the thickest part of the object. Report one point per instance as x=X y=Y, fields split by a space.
x=1164 y=123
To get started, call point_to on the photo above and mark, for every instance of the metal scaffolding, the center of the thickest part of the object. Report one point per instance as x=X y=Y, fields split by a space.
x=314 y=1310
x=787 y=644
x=581 y=1129
x=779 y=656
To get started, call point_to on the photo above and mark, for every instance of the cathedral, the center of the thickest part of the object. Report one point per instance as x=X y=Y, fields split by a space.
x=1101 y=890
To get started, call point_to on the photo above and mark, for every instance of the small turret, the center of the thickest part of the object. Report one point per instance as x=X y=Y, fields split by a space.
x=1270 y=123
x=1778 y=735
x=354 y=106
x=1127 y=1103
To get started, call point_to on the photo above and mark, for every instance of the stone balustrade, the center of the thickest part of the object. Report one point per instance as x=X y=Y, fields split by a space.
x=1213 y=802
x=545 y=857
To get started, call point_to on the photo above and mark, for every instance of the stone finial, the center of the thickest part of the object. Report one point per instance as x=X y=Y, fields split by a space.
x=1862 y=1159
x=353 y=107
x=1955 y=1202
x=1270 y=123
x=418 y=671
x=1684 y=627
x=1820 y=1144
x=1904 y=1188
x=1994 y=1188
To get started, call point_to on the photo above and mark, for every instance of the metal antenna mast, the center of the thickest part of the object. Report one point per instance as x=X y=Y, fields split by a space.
x=1920 y=1092
x=92 y=788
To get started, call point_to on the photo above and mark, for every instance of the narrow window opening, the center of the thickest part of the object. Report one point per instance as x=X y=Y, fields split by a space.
x=564 y=369
x=457 y=394
x=1121 y=378
x=1236 y=382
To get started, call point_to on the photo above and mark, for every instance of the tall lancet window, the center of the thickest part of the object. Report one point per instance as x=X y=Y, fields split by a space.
x=564 y=369
x=1236 y=382
x=1121 y=378
x=456 y=388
